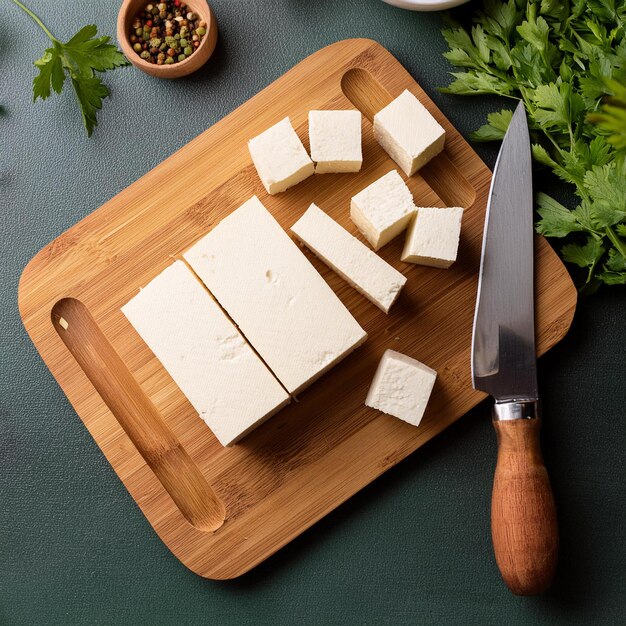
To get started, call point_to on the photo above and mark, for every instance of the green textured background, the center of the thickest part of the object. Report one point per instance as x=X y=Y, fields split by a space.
x=412 y=548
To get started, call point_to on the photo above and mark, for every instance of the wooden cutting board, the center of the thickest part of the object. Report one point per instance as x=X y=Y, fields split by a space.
x=222 y=511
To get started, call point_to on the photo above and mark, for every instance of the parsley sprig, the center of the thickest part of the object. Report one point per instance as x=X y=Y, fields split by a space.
x=79 y=59
x=566 y=60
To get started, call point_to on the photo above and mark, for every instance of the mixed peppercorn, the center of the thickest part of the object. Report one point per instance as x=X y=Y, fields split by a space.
x=166 y=32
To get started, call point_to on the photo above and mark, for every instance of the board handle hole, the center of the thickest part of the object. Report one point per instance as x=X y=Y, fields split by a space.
x=137 y=415
x=441 y=174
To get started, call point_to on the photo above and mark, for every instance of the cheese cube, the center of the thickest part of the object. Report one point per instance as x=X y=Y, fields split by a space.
x=408 y=132
x=383 y=210
x=224 y=380
x=280 y=158
x=353 y=261
x=285 y=309
x=401 y=387
x=433 y=237
x=335 y=139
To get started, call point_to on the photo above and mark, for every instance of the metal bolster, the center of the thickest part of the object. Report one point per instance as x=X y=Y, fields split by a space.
x=516 y=410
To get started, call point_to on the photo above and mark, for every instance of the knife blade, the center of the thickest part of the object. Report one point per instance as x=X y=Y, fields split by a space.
x=523 y=515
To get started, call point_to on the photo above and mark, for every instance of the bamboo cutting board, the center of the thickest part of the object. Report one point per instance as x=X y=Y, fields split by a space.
x=222 y=511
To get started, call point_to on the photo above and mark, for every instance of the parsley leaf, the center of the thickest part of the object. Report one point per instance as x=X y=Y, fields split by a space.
x=614 y=270
x=89 y=54
x=89 y=93
x=611 y=119
x=80 y=58
x=556 y=220
x=566 y=60
x=50 y=74
x=583 y=256
x=496 y=126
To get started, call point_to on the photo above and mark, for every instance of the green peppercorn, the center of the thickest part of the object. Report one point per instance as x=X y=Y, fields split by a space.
x=183 y=42
x=145 y=55
x=169 y=61
x=171 y=42
x=177 y=36
x=200 y=32
x=146 y=36
x=163 y=46
x=188 y=50
x=155 y=43
x=137 y=47
x=182 y=57
x=139 y=31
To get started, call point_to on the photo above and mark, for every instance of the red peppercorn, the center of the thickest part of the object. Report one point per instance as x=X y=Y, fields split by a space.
x=149 y=23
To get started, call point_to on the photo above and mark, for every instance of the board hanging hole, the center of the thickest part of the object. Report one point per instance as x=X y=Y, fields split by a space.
x=138 y=416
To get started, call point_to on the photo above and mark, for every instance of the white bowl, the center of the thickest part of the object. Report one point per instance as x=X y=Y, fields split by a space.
x=425 y=5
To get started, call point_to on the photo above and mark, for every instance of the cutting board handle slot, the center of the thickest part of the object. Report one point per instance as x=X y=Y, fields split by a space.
x=441 y=174
x=137 y=415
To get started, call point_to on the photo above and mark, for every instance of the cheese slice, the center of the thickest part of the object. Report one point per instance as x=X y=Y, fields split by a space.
x=280 y=158
x=285 y=309
x=408 y=132
x=352 y=260
x=383 y=209
x=433 y=237
x=335 y=139
x=224 y=380
x=401 y=387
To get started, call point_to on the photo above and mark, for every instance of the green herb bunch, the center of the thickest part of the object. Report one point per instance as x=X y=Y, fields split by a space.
x=566 y=60
x=79 y=59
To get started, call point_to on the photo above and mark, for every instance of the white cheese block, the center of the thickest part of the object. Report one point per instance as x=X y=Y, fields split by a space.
x=408 y=132
x=353 y=261
x=433 y=237
x=280 y=158
x=383 y=210
x=401 y=387
x=224 y=380
x=285 y=309
x=335 y=139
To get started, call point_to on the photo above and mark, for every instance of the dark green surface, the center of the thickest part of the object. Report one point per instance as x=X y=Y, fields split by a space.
x=412 y=548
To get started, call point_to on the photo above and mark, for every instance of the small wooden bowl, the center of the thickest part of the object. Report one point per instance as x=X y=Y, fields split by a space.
x=129 y=10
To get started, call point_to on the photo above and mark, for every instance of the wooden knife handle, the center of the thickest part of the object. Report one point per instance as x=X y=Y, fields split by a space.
x=523 y=516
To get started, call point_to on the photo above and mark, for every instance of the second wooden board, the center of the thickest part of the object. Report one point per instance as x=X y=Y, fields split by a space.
x=222 y=511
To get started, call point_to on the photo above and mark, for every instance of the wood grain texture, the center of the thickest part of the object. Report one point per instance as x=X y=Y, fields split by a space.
x=317 y=452
x=523 y=514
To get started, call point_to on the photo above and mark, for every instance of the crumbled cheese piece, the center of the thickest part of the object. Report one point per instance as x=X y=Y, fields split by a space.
x=383 y=210
x=224 y=380
x=401 y=387
x=335 y=139
x=408 y=132
x=353 y=261
x=280 y=158
x=285 y=309
x=433 y=237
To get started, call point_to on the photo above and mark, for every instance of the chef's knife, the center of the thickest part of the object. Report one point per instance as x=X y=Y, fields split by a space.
x=523 y=515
